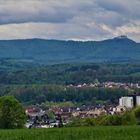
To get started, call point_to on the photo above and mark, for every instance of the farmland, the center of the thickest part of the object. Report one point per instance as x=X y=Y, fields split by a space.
x=79 y=133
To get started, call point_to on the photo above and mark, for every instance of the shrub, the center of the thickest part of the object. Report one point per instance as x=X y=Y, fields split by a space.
x=137 y=114
x=128 y=118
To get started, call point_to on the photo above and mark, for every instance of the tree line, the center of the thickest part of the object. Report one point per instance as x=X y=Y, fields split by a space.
x=37 y=94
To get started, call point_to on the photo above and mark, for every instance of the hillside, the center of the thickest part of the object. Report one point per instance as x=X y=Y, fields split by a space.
x=116 y=50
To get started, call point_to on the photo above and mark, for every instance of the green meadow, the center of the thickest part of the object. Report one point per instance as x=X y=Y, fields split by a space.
x=77 y=133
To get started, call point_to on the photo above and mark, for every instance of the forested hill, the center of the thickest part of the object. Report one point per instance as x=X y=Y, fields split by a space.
x=116 y=50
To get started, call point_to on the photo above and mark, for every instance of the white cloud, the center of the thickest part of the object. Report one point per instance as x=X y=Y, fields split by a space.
x=69 y=19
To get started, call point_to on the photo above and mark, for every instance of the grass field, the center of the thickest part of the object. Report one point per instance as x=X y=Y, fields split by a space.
x=83 y=133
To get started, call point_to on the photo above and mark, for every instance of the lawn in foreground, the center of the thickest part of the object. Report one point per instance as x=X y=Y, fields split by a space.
x=79 y=133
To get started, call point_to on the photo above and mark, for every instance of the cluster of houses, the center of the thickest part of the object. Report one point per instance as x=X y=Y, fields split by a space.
x=108 y=85
x=60 y=116
x=55 y=116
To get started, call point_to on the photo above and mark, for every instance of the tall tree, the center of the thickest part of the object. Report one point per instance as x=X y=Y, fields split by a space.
x=12 y=114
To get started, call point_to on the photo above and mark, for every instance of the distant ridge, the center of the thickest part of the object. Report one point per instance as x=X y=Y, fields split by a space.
x=117 y=50
x=42 y=39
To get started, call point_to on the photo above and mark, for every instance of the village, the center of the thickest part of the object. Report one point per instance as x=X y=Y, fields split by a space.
x=107 y=85
x=54 y=116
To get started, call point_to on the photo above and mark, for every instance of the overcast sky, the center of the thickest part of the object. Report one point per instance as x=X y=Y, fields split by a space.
x=69 y=19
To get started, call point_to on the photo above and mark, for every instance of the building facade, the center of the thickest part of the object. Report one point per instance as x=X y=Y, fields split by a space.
x=126 y=102
x=137 y=100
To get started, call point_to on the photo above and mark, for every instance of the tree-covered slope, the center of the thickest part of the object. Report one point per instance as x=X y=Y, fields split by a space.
x=120 y=49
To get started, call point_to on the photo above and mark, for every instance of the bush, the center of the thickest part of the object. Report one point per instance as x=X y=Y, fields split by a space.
x=137 y=114
x=127 y=118
x=89 y=121
x=111 y=120
x=75 y=122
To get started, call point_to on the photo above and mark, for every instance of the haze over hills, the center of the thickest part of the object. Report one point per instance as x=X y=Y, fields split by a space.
x=116 y=50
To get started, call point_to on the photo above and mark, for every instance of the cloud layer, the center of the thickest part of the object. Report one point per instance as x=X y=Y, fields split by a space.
x=69 y=19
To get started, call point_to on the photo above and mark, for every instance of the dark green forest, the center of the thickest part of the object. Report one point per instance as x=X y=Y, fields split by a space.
x=63 y=74
x=36 y=84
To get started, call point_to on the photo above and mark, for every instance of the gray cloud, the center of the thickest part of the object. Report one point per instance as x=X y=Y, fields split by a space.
x=69 y=19
x=126 y=8
x=15 y=11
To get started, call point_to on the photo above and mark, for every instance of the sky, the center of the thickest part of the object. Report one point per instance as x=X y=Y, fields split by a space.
x=69 y=19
